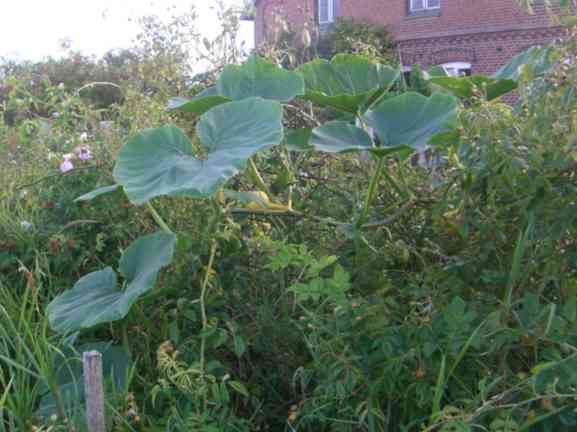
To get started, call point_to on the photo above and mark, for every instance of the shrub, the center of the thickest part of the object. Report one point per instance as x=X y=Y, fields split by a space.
x=348 y=35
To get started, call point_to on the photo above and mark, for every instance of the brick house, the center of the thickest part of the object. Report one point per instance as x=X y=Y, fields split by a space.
x=464 y=36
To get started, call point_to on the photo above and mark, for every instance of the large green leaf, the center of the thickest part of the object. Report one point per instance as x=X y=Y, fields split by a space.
x=161 y=161
x=256 y=77
x=466 y=87
x=411 y=119
x=199 y=104
x=96 y=298
x=259 y=78
x=338 y=137
x=348 y=103
x=538 y=60
x=346 y=82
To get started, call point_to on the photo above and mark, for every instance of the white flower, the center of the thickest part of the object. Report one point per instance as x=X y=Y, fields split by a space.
x=26 y=226
x=83 y=136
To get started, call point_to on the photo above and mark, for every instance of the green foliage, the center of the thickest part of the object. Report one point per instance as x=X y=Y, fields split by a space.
x=73 y=71
x=357 y=37
x=429 y=286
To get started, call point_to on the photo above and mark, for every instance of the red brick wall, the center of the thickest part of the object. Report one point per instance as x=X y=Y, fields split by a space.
x=455 y=17
x=486 y=52
x=485 y=33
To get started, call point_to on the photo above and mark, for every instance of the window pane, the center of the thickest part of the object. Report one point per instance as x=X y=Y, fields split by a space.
x=433 y=4
x=457 y=69
x=417 y=4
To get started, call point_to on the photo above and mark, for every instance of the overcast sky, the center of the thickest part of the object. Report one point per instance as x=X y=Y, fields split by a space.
x=32 y=29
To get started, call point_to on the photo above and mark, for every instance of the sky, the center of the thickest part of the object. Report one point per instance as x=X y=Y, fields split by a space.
x=33 y=29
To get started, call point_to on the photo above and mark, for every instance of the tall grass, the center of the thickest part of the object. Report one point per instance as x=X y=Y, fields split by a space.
x=30 y=358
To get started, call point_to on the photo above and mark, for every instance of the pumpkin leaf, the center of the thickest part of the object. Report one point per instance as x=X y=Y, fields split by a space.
x=411 y=119
x=467 y=87
x=339 y=137
x=298 y=140
x=346 y=82
x=162 y=161
x=201 y=103
x=97 y=299
x=259 y=78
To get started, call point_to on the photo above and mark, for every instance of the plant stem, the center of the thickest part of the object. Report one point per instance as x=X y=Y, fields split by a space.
x=371 y=192
x=392 y=218
x=403 y=194
x=157 y=218
x=257 y=178
x=406 y=192
x=203 y=304
x=125 y=339
x=515 y=273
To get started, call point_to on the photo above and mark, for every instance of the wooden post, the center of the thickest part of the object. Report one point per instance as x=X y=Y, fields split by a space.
x=94 y=392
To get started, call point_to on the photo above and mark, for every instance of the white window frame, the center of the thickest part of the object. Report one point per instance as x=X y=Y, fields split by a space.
x=426 y=6
x=330 y=12
x=453 y=68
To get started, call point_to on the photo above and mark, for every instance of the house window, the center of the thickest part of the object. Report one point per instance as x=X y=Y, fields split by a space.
x=423 y=5
x=327 y=11
x=457 y=69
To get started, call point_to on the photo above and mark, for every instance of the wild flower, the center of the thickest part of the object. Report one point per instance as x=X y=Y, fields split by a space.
x=66 y=165
x=83 y=152
x=84 y=136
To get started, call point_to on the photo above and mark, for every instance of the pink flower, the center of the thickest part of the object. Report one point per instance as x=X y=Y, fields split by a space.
x=83 y=152
x=66 y=165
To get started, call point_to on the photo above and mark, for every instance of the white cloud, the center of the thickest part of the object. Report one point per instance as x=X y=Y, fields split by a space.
x=32 y=29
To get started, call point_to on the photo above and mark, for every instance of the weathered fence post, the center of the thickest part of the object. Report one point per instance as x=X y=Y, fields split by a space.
x=94 y=392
